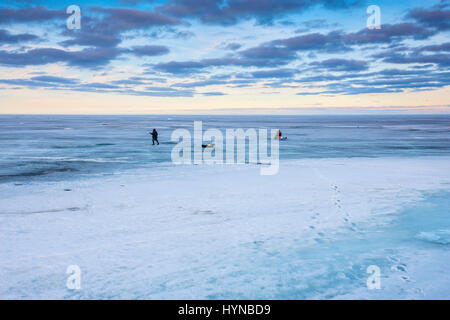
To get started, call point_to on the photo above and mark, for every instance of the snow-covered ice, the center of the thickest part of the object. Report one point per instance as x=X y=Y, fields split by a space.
x=225 y=231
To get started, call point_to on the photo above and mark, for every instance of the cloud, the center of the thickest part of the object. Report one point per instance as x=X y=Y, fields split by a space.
x=35 y=14
x=435 y=48
x=408 y=82
x=204 y=83
x=149 y=50
x=89 y=57
x=384 y=81
x=179 y=67
x=274 y=73
x=264 y=58
x=61 y=83
x=52 y=79
x=443 y=4
x=100 y=36
x=98 y=85
x=163 y=92
x=316 y=23
x=128 y=81
x=105 y=30
x=32 y=57
x=341 y=65
x=118 y=20
x=280 y=52
x=388 y=33
x=91 y=36
x=436 y=18
x=6 y=37
x=231 y=46
x=268 y=53
x=215 y=93
x=338 y=41
x=42 y=81
x=331 y=42
x=232 y=11
x=440 y=59
x=271 y=63
x=349 y=89
x=213 y=82
x=183 y=34
x=26 y=83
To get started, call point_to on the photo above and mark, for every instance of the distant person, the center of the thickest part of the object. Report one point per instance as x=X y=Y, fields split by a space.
x=279 y=134
x=155 y=137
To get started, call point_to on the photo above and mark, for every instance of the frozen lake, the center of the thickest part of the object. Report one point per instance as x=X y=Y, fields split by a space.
x=146 y=229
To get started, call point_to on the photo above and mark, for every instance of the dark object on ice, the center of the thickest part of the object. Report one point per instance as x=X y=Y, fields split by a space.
x=279 y=136
x=210 y=145
x=154 y=136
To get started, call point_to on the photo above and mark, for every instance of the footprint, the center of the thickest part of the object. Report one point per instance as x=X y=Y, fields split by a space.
x=315 y=216
x=74 y=209
x=405 y=278
x=401 y=267
x=205 y=212
x=394 y=259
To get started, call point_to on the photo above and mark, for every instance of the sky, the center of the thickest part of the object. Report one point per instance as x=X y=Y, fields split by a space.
x=224 y=57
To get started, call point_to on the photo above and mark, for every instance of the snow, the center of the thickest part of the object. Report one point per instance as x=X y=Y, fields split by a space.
x=218 y=231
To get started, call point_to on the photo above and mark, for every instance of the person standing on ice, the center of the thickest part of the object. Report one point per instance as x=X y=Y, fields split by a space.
x=154 y=136
x=279 y=135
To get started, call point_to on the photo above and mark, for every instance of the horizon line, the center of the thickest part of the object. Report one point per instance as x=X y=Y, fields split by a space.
x=392 y=113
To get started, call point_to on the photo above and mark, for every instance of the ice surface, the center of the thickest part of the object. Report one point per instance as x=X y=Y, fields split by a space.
x=439 y=236
x=224 y=231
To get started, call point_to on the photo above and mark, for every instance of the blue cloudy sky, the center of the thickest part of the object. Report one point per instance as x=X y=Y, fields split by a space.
x=224 y=56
